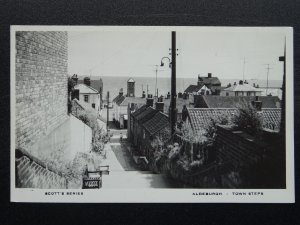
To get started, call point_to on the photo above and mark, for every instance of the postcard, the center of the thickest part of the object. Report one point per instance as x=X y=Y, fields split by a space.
x=152 y=114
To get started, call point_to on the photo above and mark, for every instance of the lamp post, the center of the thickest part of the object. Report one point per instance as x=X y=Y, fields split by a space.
x=172 y=64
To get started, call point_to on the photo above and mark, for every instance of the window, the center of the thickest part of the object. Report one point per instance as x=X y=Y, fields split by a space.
x=248 y=93
x=236 y=93
x=86 y=98
x=227 y=94
x=93 y=105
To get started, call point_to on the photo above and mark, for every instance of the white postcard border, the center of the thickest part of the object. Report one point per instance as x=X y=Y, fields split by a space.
x=163 y=195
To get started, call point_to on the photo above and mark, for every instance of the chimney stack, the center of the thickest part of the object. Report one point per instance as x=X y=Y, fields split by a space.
x=168 y=95
x=87 y=81
x=209 y=75
x=121 y=92
x=241 y=82
x=257 y=104
x=159 y=105
x=149 y=100
x=143 y=94
x=75 y=79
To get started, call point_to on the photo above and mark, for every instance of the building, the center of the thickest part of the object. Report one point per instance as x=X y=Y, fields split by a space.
x=41 y=90
x=121 y=101
x=199 y=118
x=46 y=135
x=180 y=103
x=145 y=124
x=241 y=89
x=130 y=88
x=205 y=86
x=88 y=95
x=209 y=101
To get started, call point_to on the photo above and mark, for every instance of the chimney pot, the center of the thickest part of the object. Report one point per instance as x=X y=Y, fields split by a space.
x=209 y=75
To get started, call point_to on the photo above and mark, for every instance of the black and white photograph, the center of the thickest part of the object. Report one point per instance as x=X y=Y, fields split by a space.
x=152 y=114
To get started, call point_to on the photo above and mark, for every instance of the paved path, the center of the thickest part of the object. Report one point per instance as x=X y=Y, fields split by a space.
x=124 y=173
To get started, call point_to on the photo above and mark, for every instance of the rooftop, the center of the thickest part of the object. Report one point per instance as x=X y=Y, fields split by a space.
x=242 y=87
x=156 y=123
x=96 y=84
x=148 y=113
x=200 y=117
x=118 y=99
x=193 y=88
x=214 y=101
x=85 y=89
x=139 y=110
x=180 y=102
x=210 y=80
x=130 y=80
x=136 y=100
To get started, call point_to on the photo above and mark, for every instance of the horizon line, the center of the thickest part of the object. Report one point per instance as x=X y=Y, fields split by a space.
x=170 y=77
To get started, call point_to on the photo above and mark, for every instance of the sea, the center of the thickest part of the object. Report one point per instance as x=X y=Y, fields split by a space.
x=113 y=84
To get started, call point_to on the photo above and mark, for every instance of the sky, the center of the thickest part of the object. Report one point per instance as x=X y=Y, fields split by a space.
x=134 y=53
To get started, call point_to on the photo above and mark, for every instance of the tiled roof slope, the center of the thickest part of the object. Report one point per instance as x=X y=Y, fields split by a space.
x=200 y=117
x=115 y=99
x=214 y=101
x=84 y=89
x=146 y=115
x=119 y=99
x=139 y=110
x=157 y=123
x=193 y=88
x=210 y=80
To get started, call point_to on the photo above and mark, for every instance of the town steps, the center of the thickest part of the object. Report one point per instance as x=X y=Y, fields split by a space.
x=33 y=173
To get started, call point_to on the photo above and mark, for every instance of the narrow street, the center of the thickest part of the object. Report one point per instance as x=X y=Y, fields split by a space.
x=124 y=173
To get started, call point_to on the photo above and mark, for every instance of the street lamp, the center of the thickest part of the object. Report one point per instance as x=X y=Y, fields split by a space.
x=162 y=63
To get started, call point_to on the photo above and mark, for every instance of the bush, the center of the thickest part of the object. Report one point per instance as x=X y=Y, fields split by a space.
x=247 y=119
x=99 y=135
x=192 y=136
x=211 y=127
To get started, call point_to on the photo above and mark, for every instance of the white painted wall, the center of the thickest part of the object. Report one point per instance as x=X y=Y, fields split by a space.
x=93 y=99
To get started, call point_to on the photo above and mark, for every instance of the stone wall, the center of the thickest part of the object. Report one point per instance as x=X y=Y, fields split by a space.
x=41 y=84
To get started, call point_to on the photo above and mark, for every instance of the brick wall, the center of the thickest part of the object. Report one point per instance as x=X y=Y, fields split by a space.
x=41 y=84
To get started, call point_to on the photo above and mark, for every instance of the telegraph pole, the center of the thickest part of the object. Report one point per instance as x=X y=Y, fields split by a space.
x=147 y=90
x=173 y=85
x=107 y=111
x=244 y=69
x=268 y=69
x=156 y=89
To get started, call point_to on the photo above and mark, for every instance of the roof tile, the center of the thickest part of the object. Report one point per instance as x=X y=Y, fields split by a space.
x=200 y=117
x=156 y=123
